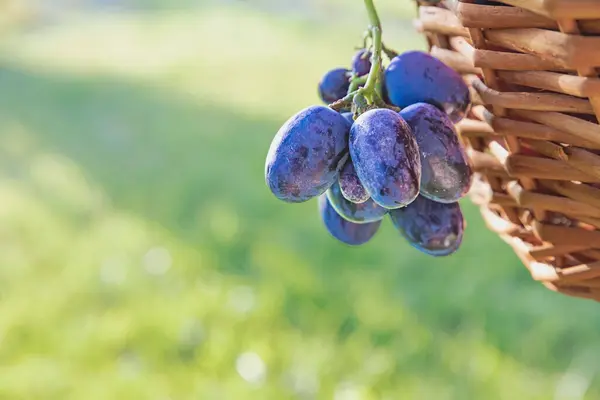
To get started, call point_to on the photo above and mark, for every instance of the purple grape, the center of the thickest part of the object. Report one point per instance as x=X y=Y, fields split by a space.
x=334 y=85
x=417 y=77
x=349 y=117
x=384 y=92
x=306 y=154
x=365 y=212
x=445 y=172
x=361 y=63
x=434 y=228
x=345 y=231
x=351 y=187
x=386 y=157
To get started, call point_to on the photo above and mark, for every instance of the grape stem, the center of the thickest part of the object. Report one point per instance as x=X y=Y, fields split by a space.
x=373 y=17
x=368 y=96
x=388 y=52
x=355 y=82
x=370 y=88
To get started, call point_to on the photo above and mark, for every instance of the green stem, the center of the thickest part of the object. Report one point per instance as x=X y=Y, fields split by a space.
x=356 y=81
x=371 y=85
x=389 y=52
x=370 y=92
x=373 y=17
x=345 y=102
x=353 y=86
x=366 y=37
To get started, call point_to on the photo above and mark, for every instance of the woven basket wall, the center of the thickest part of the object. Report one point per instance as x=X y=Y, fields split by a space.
x=533 y=134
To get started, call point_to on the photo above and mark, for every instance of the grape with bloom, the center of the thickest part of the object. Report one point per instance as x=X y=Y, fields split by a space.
x=431 y=227
x=360 y=213
x=386 y=157
x=343 y=230
x=417 y=77
x=350 y=185
x=306 y=154
x=445 y=171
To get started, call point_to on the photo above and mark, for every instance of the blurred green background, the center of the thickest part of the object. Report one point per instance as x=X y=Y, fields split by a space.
x=142 y=256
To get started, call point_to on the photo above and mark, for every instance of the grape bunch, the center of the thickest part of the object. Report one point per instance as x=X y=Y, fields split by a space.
x=383 y=144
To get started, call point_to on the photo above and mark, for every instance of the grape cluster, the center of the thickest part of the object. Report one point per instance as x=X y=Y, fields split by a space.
x=399 y=156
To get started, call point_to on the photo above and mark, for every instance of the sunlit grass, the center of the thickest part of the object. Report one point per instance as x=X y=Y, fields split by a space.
x=204 y=54
x=143 y=258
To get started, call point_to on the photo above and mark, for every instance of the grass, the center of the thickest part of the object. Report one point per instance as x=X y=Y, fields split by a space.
x=143 y=258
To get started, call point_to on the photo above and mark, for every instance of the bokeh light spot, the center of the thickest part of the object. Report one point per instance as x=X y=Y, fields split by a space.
x=251 y=368
x=157 y=261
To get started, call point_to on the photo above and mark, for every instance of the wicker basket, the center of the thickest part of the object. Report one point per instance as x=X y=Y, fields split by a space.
x=533 y=134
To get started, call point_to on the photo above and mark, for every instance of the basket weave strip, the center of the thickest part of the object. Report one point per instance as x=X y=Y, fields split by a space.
x=533 y=135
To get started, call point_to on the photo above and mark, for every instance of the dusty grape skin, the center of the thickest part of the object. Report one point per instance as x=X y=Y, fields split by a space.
x=343 y=230
x=351 y=187
x=306 y=154
x=334 y=85
x=446 y=175
x=361 y=66
x=386 y=157
x=349 y=117
x=367 y=211
x=434 y=228
x=415 y=77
